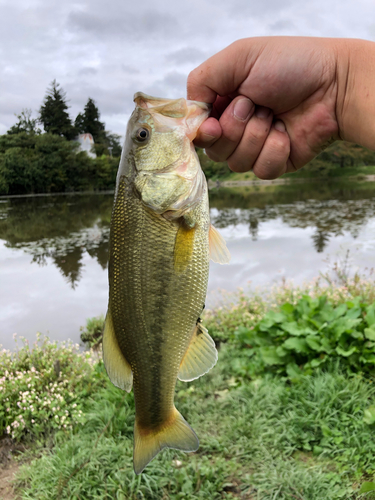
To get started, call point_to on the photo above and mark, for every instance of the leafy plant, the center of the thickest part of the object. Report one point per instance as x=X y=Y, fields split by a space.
x=300 y=337
x=46 y=163
x=93 y=333
x=43 y=389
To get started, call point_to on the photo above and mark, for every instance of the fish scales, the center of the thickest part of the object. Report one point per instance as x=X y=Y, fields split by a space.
x=158 y=272
x=160 y=308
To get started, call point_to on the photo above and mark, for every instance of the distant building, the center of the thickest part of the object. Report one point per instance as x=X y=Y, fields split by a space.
x=86 y=142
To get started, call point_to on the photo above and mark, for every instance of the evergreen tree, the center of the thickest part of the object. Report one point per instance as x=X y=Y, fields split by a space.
x=53 y=113
x=114 y=142
x=88 y=122
x=25 y=124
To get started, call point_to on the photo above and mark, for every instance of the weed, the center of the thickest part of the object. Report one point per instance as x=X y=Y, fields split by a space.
x=42 y=389
x=92 y=335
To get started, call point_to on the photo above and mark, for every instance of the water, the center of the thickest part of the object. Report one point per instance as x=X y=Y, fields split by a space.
x=54 y=249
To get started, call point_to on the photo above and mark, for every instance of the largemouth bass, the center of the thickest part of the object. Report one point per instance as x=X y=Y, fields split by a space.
x=160 y=244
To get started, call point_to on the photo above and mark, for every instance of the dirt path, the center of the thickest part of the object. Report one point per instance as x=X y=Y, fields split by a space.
x=6 y=477
x=8 y=468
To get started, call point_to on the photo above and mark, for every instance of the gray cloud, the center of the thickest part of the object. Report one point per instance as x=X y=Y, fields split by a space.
x=282 y=27
x=186 y=55
x=123 y=25
x=258 y=9
x=109 y=51
x=87 y=71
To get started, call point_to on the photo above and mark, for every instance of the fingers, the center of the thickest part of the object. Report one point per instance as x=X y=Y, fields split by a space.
x=208 y=133
x=244 y=156
x=246 y=138
x=273 y=159
x=263 y=146
x=233 y=123
x=224 y=72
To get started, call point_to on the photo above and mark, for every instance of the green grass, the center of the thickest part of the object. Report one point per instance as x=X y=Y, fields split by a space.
x=266 y=438
x=262 y=436
x=333 y=171
x=329 y=172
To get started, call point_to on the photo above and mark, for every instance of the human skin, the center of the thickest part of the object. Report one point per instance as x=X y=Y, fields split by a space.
x=279 y=101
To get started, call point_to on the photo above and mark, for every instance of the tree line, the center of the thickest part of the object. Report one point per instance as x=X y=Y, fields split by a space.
x=340 y=158
x=54 y=116
x=36 y=162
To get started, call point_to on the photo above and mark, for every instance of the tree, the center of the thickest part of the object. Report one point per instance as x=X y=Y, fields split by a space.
x=88 y=122
x=25 y=124
x=48 y=163
x=53 y=113
x=110 y=146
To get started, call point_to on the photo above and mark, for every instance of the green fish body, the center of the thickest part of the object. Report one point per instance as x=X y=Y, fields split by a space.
x=158 y=271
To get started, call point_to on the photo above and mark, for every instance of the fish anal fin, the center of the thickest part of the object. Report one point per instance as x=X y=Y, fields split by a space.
x=118 y=369
x=200 y=356
x=218 y=249
x=183 y=248
x=175 y=433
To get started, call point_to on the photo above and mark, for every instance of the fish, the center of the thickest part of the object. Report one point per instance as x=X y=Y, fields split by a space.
x=161 y=241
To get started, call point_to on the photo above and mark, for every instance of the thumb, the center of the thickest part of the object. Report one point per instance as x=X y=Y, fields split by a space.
x=224 y=72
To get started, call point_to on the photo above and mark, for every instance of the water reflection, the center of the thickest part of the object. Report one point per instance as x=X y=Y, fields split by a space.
x=59 y=230
x=62 y=229
x=304 y=208
x=54 y=250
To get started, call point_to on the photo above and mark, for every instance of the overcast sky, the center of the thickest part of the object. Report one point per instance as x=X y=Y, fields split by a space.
x=108 y=50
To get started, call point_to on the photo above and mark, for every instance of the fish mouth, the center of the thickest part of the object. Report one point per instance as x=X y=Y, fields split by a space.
x=173 y=112
x=205 y=106
x=147 y=101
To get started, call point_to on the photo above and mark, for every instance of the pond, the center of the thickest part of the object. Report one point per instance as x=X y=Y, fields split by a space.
x=54 y=249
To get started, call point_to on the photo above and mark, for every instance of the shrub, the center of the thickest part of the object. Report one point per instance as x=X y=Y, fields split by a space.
x=93 y=333
x=300 y=337
x=43 y=388
x=48 y=163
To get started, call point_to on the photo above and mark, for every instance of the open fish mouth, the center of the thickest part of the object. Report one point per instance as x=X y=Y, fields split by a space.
x=174 y=112
x=147 y=101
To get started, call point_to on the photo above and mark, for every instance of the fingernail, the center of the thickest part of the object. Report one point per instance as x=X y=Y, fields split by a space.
x=242 y=109
x=279 y=125
x=206 y=137
x=262 y=112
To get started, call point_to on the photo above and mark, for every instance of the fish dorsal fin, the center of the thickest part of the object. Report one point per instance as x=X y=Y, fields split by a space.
x=200 y=356
x=218 y=248
x=118 y=368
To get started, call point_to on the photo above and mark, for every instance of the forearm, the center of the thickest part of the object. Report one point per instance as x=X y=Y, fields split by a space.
x=356 y=91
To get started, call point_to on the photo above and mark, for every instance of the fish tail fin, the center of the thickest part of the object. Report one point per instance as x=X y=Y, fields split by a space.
x=175 y=433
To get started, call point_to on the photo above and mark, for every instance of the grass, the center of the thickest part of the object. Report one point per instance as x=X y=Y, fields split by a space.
x=262 y=437
x=331 y=172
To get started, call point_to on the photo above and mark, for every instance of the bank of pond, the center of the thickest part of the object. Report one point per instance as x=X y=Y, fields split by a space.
x=287 y=412
x=33 y=162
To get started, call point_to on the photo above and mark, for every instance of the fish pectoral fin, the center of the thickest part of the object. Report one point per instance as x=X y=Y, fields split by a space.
x=118 y=369
x=183 y=247
x=218 y=248
x=200 y=356
x=175 y=433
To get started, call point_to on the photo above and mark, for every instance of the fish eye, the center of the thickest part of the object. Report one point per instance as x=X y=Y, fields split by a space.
x=142 y=134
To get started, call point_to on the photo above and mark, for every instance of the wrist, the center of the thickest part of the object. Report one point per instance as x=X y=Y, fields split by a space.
x=355 y=106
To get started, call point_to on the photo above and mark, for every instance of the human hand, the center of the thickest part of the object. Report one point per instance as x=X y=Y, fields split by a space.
x=275 y=102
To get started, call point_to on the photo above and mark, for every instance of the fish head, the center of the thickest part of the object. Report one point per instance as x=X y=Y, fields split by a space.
x=159 y=130
x=158 y=151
